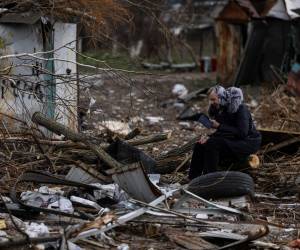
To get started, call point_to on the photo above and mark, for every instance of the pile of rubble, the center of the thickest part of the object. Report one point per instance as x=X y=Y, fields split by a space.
x=87 y=192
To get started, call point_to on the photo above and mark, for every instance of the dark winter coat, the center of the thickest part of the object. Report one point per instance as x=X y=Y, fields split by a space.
x=238 y=130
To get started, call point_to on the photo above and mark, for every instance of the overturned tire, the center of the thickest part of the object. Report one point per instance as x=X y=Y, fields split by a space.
x=222 y=184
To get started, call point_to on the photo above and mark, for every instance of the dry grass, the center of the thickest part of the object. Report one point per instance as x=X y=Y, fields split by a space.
x=277 y=110
x=96 y=15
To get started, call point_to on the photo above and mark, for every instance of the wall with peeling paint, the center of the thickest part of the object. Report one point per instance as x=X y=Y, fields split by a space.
x=22 y=98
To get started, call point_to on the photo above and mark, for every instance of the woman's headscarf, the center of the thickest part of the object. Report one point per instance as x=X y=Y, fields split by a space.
x=231 y=98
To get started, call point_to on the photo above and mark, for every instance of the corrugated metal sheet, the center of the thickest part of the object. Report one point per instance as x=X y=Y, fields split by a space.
x=135 y=183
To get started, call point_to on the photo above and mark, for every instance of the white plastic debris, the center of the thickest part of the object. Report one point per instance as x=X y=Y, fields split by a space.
x=185 y=124
x=136 y=119
x=140 y=100
x=36 y=230
x=3 y=236
x=72 y=246
x=118 y=127
x=155 y=149
x=154 y=119
x=253 y=103
x=98 y=83
x=178 y=105
x=106 y=190
x=38 y=199
x=91 y=104
x=47 y=190
x=179 y=90
x=63 y=204
x=177 y=30
x=202 y=216
x=86 y=202
x=123 y=246
x=154 y=178
x=110 y=190
x=135 y=50
x=47 y=198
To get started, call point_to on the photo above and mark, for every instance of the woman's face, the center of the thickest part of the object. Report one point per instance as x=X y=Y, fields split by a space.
x=214 y=99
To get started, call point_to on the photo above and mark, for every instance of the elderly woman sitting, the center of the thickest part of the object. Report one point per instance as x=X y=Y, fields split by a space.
x=235 y=138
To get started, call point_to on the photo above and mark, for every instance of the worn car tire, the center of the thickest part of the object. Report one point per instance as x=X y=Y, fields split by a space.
x=222 y=184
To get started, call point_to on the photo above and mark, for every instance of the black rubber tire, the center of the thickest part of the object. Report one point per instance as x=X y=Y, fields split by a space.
x=222 y=184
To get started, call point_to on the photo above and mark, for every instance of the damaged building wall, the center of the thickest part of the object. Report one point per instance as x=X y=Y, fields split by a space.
x=30 y=88
x=22 y=97
x=66 y=92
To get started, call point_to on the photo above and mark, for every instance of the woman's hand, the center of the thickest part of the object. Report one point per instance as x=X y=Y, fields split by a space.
x=203 y=139
x=215 y=124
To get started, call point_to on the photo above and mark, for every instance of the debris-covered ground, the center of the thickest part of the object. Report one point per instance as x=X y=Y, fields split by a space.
x=90 y=190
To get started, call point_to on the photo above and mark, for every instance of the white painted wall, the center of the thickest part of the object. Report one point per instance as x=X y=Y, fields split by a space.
x=66 y=93
x=23 y=38
x=16 y=39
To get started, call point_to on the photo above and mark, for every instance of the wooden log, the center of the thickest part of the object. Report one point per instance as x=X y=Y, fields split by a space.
x=149 y=139
x=84 y=154
x=133 y=142
x=282 y=144
x=60 y=129
x=133 y=134
x=22 y=157
x=168 y=165
x=253 y=161
x=168 y=162
x=276 y=136
x=185 y=148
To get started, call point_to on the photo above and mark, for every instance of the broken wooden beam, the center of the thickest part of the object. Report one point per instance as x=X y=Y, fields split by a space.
x=133 y=142
x=168 y=162
x=60 y=129
x=149 y=139
x=282 y=144
x=133 y=134
x=253 y=161
x=185 y=148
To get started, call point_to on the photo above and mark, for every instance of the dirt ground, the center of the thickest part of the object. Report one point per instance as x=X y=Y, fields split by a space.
x=142 y=96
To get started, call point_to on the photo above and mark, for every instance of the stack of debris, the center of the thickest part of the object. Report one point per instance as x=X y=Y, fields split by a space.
x=87 y=192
